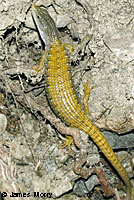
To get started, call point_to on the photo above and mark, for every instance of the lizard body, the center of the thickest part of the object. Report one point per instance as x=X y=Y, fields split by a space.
x=61 y=93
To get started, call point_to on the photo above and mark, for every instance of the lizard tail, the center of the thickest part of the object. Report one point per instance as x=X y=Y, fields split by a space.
x=102 y=143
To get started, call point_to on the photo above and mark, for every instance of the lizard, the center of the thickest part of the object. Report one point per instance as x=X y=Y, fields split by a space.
x=60 y=90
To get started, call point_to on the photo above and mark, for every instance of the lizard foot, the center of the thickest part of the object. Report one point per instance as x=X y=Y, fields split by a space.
x=68 y=141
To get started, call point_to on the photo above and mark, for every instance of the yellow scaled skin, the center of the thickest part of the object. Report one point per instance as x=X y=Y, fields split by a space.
x=64 y=102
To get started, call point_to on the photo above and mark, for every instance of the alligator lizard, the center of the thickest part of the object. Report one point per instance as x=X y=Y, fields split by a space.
x=61 y=93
